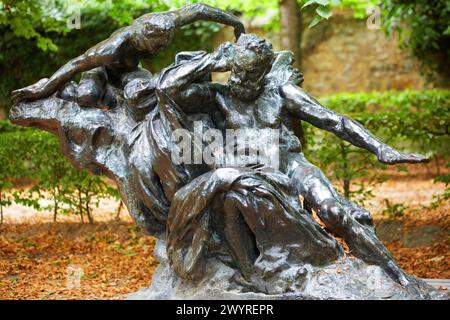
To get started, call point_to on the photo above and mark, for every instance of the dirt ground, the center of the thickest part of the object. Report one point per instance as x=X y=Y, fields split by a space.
x=40 y=259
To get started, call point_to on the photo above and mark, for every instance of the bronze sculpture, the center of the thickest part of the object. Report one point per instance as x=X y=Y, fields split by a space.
x=248 y=218
x=120 y=53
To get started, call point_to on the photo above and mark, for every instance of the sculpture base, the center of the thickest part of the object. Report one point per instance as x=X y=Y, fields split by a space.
x=349 y=278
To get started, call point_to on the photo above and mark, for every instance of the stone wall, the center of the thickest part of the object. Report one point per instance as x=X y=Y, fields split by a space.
x=343 y=55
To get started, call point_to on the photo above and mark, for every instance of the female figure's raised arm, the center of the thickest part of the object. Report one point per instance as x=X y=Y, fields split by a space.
x=198 y=11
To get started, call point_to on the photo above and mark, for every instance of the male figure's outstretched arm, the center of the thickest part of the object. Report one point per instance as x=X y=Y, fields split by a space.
x=306 y=108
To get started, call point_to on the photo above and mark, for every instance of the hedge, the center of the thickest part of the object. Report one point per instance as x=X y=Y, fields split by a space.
x=35 y=155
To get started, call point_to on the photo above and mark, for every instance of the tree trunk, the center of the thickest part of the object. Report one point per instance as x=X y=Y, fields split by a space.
x=438 y=167
x=81 y=216
x=291 y=28
x=1 y=207
x=89 y=214
x=290 y=39
x=88 y=208
x=347 y=188
x=346 y=180
x=80 y=205
x=88 y=202
x=119 y=209
x=55 y=211
x=55 y=201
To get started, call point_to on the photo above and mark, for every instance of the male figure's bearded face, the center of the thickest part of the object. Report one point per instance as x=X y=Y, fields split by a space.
x=247 y=83
x=252 y=61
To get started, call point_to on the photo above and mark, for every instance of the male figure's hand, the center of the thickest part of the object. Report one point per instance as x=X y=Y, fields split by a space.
x=223 y=57
x=388 y=155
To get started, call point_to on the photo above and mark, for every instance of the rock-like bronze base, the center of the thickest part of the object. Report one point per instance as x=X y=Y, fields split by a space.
x=347 y=279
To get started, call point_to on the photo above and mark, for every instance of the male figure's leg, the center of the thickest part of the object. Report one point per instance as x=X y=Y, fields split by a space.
x=306 y=171
x=319 y=195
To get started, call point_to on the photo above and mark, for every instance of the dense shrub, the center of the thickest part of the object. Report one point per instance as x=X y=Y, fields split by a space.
x=35 y=155
x=423 y=27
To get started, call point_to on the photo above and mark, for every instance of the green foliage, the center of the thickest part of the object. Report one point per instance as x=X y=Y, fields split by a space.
x=28 y=19
x=35 y=155
x=359 y=7
x=394 y=211
x=86 y=191
x=412 y=121
x=45 y=20
x=322 y=10
x=424 y=27
x=48 y=170
x=11 y=146
x=445 y=196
